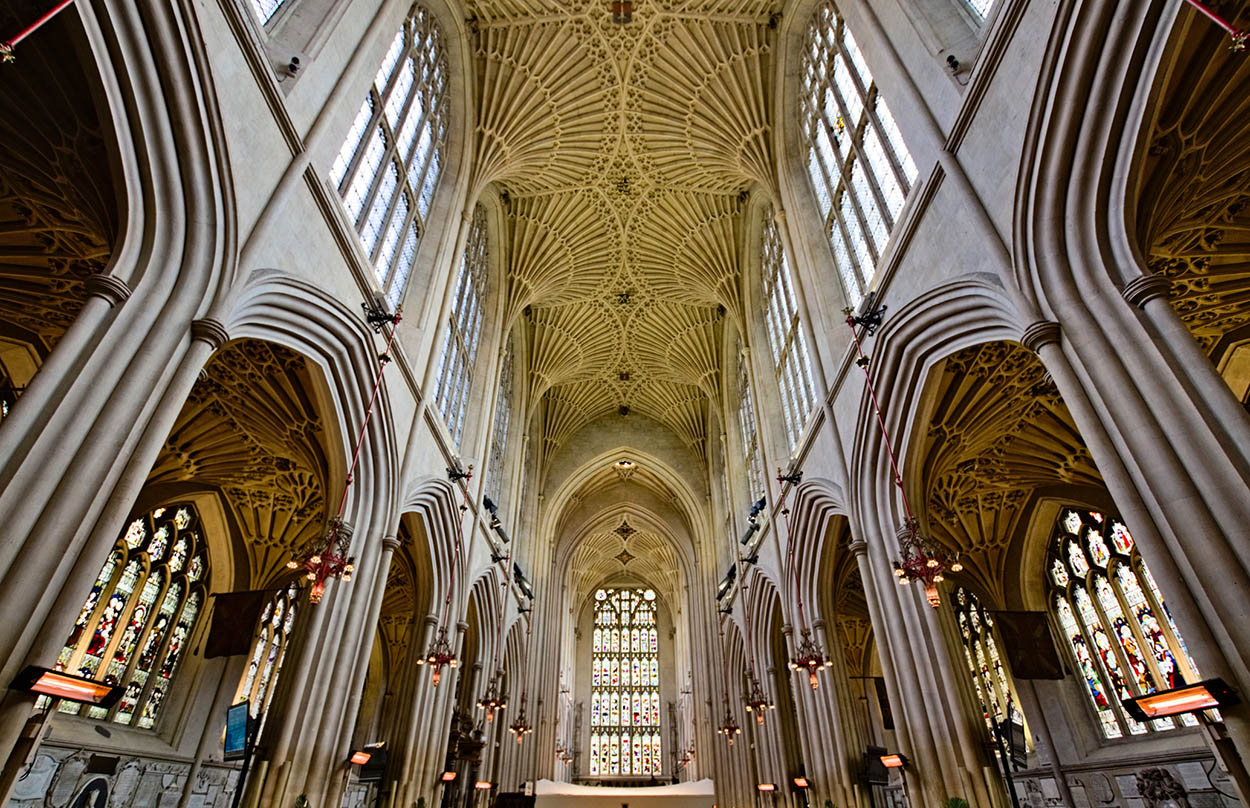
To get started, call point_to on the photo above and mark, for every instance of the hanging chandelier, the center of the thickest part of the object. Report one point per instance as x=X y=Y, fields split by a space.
x=808 y=657
x=439 y=656
x=757 y=702
x=326 y=558
x=921 y=558
x=1238 y=38
x=728 y=726
x=492 y=700
x=520 y=727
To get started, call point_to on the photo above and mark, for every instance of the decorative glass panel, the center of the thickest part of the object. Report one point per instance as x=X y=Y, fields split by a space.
x=382 y=173
x=1111 y=620
x=272 y=636
x=990 y=678
x=124 y=626
x=857 y=162
x=464 y=325
x=625 y=702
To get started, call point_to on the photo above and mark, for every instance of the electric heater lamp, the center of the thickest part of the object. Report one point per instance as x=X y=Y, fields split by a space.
x=448 y=777
x=895 y=761
x=800 y=782
x=482 y=785
x=360 y=757
x=766 y=786
x=58 y=685
x=1206 y=695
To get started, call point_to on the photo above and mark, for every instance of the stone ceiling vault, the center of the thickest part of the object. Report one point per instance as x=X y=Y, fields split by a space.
x=623 y=153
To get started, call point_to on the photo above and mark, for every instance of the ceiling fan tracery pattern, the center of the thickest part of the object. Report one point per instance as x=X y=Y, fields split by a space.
x=623 y=153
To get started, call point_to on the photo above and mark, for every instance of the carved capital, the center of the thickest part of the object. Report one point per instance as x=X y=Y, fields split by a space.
x=113 y=290
x=391 y=543
x=1040 y=334
x=858 y=548
x=210 y=331
x=1145 y=288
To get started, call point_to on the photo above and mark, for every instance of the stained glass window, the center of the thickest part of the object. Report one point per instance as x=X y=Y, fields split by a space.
x=390 y=161
x=464 y=327
x=990 y=677
x=857 y=162
x=140 y=614
x=625 y=685
x=272 y=634
x=791 y=358
x=1108 y=607
x=499 y=434
x=746 y=424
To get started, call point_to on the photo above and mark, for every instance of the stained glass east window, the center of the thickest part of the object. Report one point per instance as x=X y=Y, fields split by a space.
x=390 y=162
x=138 y=619
x=1114 y=620
x=625 y=685
x=857 y=162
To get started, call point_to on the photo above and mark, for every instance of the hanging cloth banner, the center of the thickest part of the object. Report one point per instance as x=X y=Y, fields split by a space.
x=234 y=617
x=1029 y=645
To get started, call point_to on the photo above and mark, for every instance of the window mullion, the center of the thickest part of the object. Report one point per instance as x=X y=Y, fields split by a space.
x=856 y=269
x=870 y=107
x=362 y=148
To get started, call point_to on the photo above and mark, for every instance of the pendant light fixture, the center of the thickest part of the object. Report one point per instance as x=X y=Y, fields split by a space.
x=728 y=726
x=922 y=559
x=440 y=655
x=520 y=727
x=808 y=656
x=326 y=557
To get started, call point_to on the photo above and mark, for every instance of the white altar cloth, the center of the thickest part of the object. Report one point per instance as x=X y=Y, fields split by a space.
x=550 y=794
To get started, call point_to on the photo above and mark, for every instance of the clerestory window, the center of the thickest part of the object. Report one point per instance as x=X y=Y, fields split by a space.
x=464 y=328
x=792 y=361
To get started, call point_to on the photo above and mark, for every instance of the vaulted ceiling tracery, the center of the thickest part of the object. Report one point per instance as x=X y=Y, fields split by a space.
x=997 y=431
x=623 y=153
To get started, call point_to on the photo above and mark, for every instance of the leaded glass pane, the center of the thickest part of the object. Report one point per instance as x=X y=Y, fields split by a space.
x=625 y=694
x=464 y=325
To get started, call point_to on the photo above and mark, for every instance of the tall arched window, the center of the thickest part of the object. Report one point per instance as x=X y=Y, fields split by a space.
x=499 y=435
x=390 y=162
x=990 y=677
x=265 y=9
x=464 y=326
x=859 y=166
x=746 y=425
x=791 y=359
x=625 y=685
x=1116 y=622
x=980 y=8
x=134 y=628
x=272 y=635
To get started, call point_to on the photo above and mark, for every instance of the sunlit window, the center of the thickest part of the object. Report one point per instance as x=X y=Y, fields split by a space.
x=752 y=462
x=990 y=677
x=268 y=651
x=138 y=619
x=981 y=8
x=464 y=327
x=625 y=685
x=499 y=434
x=791 y=359
x=858 y=164
x=265 y=9
x=390 y=161
x=1116 y=623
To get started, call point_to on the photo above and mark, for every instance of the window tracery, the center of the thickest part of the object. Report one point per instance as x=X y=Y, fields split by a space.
x=1114 y=619
x=791 y=359
x=625 y=685
x=269 y=647
x=857 y=161
x=981 y=8
x=990 y=678
x=746 y=425
x=390 y=162
x=499 y=434
x=464 y=326
x=140 y=614
x=265 y=9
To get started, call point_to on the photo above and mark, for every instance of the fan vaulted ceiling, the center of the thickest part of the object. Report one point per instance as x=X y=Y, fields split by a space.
x=622 y=152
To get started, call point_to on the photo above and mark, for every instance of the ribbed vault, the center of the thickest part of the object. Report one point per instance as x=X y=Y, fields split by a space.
x=623 y=152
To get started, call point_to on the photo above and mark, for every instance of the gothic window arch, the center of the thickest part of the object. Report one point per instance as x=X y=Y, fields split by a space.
x=752 y=462
x=499 y=434
x=269 y=647
x=1115 y=622
x=787 y=340
x=135 y=626
x=857 y=161
x=265 y=9
x=390 y=162
x=464 y=328
x=991 y=680
x=625 y=685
